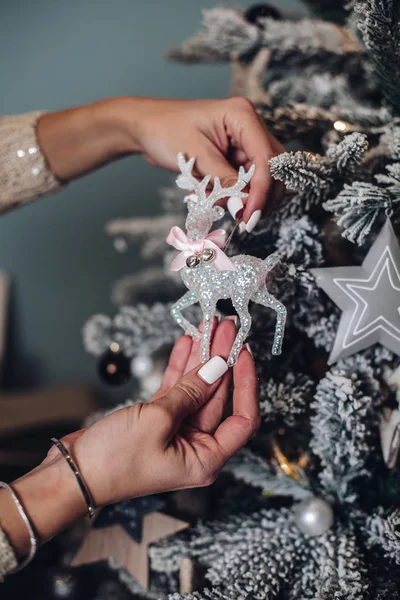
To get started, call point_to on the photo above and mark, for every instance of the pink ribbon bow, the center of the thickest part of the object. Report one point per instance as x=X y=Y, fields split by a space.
x=215 y=240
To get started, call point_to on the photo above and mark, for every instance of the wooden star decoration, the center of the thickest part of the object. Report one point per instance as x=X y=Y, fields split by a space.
x=114 y=542
x=129 y=514
x=369 y=296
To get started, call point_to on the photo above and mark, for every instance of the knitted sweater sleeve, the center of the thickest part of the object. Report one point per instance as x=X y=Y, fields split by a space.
x=24 y=176
x=24 y=173
x=8 y=560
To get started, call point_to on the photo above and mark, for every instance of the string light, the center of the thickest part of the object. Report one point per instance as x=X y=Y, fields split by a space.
x=341 y=126
x=311 y=155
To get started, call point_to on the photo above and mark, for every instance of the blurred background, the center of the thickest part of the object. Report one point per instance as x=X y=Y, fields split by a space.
x=55 y=54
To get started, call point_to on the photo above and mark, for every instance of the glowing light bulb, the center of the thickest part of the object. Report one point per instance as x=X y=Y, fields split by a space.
x=340 y=126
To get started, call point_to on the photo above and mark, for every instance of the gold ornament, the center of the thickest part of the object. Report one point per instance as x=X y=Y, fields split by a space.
x=295 y=470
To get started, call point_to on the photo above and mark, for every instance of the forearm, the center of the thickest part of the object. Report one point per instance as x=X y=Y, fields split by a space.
x=79 y=140
x=52 y=500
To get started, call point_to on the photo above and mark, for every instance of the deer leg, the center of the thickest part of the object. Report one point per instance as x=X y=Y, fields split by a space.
x=242 y=308
x=208 y=309
x=176 y=311
x=266 y=299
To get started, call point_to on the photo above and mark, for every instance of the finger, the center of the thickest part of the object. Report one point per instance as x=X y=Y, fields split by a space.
x=259 y=145
x=209 y=417
x=194 y=358
x=176 y=365
x=237 y=429
x=192 y=391
x=211 y=161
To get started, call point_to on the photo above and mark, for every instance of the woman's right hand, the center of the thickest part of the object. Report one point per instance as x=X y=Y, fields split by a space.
x=177 y=440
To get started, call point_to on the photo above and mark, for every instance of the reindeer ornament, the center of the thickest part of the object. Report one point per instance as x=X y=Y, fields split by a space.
x=209 y=274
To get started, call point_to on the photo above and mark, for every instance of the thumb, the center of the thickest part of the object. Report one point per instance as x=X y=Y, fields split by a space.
x=193 y=390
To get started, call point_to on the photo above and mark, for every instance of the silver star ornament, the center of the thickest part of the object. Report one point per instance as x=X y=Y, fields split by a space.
x=369 y=296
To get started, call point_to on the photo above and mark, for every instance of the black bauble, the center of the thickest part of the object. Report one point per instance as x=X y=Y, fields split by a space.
x=63 y=584
x=114 y=368
x=257 y=12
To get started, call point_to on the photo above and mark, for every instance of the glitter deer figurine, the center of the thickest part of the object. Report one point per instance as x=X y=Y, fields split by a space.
x=208 y=273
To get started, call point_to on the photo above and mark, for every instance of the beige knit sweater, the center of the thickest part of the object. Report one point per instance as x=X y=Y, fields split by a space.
x=24 y=176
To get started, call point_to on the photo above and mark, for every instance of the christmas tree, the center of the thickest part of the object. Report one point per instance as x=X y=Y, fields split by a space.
x=312 y=505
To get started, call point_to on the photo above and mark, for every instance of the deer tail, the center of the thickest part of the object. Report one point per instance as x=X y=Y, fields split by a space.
x=272 y=261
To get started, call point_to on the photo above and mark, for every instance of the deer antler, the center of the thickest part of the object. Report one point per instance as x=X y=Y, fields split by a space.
x=187 y=181
x=235 y=190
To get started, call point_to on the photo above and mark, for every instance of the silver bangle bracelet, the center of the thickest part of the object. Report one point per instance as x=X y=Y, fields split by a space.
x=28 y=524
x=74 y=468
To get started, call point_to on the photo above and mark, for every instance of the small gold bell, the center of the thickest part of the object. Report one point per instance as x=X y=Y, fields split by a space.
x=208 y=255
x=193 y=261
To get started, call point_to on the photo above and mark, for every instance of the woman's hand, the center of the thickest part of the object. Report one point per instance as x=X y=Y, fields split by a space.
x=220 y=134
x=178 y=440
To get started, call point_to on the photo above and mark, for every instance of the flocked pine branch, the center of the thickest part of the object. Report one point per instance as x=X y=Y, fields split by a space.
x=357 y=207
x=137 y=329
x=383 y=532
x=379 y=23
x=392 y=182
x=285 y=398
x=260 y=565
x=302 y=171
x=257 y=472
x=344 y=573
x=323 y=89
x=227 y=35
x=391 y=139
x=288 y=122
x=341 y=435
x=348 y=154
x=204 y=541
x=323 y=331
x=315 y=177
x=299 y=242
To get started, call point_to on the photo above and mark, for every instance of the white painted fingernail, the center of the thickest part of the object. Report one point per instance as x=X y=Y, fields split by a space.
x=213 y=370
x=249 y=350
x=252 y=222
x=242 y=227
x=234 y=205
x=233 y=318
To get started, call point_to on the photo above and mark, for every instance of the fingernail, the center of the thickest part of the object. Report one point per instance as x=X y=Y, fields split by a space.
x=242 y=227
x=249 y=350
x=234 y=205
x=213 y=370
x=252 y=222
x=233 y=318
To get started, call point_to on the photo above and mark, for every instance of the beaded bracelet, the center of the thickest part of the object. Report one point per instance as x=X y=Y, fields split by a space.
x=82 y=485
x=28 y=524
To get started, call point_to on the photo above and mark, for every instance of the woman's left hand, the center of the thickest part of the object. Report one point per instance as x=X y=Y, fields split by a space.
x=221 y=134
